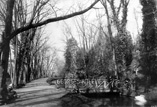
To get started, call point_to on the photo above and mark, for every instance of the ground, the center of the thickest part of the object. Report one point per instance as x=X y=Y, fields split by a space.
x=38 y=93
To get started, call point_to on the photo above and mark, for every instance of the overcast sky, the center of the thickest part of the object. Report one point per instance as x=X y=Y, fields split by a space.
x=55 y=30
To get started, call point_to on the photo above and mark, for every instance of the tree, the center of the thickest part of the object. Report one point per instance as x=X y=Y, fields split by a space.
x=80 y=56
x=99 y=56
x=123 y=50
x=90 y=61
x=87 y=33
x=149 y=41
x=117 y=20
x=9 y=33
x=70 y=55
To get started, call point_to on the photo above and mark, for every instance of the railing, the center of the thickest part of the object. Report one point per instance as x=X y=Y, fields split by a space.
x=90 y=85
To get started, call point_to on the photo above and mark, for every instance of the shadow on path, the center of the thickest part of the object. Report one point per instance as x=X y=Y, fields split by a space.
x=38 y=93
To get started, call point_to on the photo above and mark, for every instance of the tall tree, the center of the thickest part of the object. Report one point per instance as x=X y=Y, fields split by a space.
x=5 y=48
x=149 y=41
x=70 y=55
x=118 y=23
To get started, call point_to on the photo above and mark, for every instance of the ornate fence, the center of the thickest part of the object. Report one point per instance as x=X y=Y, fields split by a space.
x=93 y=85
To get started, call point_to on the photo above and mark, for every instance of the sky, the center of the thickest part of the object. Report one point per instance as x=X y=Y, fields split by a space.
x=55 y=31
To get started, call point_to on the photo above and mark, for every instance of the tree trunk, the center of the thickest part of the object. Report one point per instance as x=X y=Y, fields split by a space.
x=28 y=76
x=110 y=36
x=5 y=48
x=15 y=62
x=4 y=67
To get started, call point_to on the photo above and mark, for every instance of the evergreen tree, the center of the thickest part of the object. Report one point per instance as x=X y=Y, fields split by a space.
x=70 y=55
x=148 y=60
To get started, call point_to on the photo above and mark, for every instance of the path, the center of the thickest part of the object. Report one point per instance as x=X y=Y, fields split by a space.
x=38 y=93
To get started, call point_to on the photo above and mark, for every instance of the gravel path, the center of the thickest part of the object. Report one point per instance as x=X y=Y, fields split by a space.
x=38 y=93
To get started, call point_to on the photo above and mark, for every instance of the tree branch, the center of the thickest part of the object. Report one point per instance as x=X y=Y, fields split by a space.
x=27 y=27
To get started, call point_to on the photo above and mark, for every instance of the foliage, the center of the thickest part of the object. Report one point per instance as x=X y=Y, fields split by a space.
x=92 y=63
x=123 y=49
x=80 y=59
x=99 y=57
x=70 y=55
x=68 y=60
x=148 y=59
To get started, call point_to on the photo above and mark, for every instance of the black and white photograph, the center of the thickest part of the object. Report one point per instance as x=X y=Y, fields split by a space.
x=78 y=53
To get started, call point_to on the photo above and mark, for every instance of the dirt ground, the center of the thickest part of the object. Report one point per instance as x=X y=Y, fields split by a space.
x=38 y=93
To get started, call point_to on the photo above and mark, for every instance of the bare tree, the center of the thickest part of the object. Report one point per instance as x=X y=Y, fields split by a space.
x=115 y=22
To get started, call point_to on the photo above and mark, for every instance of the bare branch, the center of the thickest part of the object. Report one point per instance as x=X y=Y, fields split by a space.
x=119 y=7
x=52 y=6
x=29 y=26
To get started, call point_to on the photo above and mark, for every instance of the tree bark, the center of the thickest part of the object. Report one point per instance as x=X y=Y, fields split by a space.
x=5 y=48
x=110 y=36
x=3 y=72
